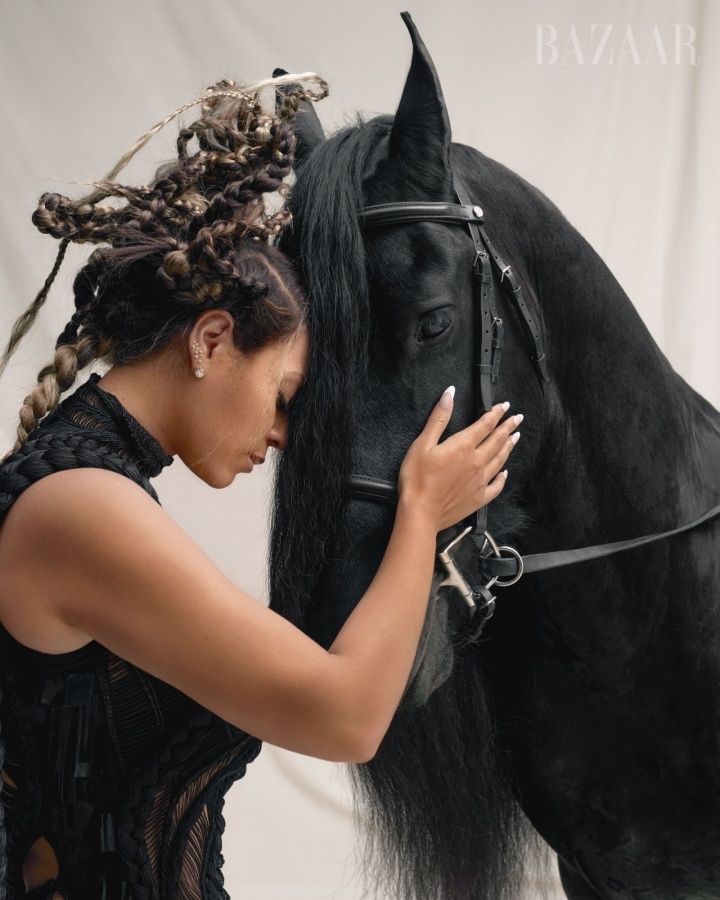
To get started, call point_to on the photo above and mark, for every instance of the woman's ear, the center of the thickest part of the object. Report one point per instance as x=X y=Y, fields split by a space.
x=211 y=332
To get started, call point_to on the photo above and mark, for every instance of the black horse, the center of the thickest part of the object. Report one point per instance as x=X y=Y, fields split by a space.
x=592 y=710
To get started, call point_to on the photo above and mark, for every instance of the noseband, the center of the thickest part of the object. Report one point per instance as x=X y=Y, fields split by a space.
x=499 y=566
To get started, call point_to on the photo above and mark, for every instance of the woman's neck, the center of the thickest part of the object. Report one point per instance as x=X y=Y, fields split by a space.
x=149 y=392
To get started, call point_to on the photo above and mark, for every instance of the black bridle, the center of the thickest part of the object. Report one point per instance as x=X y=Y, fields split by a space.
x=499 y=566
x=489 y=329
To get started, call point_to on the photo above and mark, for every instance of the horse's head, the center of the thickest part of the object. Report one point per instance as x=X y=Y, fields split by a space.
x=392 y=325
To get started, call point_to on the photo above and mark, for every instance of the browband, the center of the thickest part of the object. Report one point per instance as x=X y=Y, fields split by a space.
x=397 y=213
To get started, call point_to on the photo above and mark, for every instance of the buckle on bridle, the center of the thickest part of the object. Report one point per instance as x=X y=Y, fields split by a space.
x=478 y=598
x=489 y=547
x=454 y=577
x=480 y=256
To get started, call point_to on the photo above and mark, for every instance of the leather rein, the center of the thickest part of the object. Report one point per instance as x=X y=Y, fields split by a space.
x=498 y=566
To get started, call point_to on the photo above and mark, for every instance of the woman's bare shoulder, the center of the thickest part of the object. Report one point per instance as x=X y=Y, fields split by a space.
x=69 y=516
x=103 y=558
x=71 y=528
x=50 y=520
x=84 y=492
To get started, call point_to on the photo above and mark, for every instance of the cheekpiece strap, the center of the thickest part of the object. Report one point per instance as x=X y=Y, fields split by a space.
x=488 y=325
x=514 y=291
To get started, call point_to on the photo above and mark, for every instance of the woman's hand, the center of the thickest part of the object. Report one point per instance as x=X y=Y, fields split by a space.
x=450 y=480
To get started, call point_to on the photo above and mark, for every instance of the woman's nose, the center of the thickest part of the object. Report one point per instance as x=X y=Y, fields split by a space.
x=278 y=436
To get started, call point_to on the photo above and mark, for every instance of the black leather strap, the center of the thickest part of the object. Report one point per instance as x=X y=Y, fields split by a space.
x=365 y=488
x=532 y=332
x=397 y=213
x=373 y=489
x=507 y=567
x=488 y=326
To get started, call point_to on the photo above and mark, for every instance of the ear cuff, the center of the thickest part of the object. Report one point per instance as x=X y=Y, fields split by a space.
x=199 y=371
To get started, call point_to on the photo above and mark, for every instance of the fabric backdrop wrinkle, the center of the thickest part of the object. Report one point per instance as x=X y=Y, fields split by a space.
x=628 y=153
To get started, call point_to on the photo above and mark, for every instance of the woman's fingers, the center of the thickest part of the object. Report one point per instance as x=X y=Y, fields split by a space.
x=495 y=487
x=453 y=478
x=486 y=424
x=496 y=462
x=439 y=418
x=479 y=433
x=493 y=444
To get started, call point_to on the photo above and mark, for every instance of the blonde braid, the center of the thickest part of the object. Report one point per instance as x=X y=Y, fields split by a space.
x=25 y=322
x=229 y=89
x=56 y=378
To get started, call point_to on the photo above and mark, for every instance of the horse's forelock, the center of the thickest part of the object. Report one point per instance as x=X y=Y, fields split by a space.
x=326 y=241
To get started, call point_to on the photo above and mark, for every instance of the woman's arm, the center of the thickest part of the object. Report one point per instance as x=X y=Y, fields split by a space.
x=104 y=559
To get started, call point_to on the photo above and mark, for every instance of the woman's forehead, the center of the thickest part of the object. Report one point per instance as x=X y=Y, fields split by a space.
x=295 y=358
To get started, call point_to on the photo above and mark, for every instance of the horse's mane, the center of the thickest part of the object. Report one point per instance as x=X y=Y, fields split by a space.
x=310 y=490
x=443 y=821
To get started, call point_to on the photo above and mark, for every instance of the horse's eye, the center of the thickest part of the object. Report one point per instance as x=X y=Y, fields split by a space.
x=433 y=324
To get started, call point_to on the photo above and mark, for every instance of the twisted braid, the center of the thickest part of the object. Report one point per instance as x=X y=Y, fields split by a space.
x=235 y=138
x=26 y=320
x=57 y=377
x=197 y=236
x=51 y=452
x=242 y=153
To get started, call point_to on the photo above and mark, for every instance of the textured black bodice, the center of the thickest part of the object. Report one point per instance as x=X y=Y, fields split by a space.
x=121 y=773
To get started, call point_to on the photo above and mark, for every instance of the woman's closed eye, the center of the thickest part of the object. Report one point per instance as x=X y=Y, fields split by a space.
x=291 y=384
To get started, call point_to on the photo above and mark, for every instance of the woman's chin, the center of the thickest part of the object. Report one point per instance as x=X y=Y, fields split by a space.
x=217 y=476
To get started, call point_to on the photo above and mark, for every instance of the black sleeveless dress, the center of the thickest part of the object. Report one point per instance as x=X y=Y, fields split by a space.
x=122 y=774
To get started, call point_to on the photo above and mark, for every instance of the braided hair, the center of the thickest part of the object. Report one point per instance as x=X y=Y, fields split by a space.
x=198 y=237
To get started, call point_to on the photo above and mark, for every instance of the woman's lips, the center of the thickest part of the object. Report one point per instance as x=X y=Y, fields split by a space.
x=257 y=460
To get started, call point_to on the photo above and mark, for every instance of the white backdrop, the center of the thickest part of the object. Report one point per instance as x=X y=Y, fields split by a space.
x=627 y=145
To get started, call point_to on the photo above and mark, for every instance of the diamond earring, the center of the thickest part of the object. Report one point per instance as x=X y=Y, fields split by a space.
x=199 y=371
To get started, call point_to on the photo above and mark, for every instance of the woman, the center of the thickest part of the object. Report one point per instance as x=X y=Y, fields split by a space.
x=137 y=680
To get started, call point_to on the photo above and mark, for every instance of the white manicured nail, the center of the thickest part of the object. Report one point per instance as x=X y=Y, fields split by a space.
x=518 y=418
x=446 y=401
x=515 y=437
x=506 y=406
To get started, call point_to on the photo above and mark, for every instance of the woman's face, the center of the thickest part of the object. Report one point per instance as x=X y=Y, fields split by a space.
x=238 y=409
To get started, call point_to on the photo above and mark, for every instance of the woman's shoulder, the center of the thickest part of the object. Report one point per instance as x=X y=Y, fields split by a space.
x=87 y=500
x=62 y=514
x=80 y=515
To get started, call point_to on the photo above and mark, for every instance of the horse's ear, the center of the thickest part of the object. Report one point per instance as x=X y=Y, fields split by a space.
x=308 y=130
x=421 y=124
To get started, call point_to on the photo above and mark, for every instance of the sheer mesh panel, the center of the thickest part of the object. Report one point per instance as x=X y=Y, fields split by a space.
x=190 y=886
x=185 y=827
x=154 y=831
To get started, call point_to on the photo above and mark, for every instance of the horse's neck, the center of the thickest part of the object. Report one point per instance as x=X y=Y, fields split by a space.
x=633 y=448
